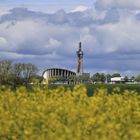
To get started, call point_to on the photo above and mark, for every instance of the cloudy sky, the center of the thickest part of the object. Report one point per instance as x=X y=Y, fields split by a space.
x=46 y=33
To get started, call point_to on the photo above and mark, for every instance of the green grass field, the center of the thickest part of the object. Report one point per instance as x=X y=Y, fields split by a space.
x=92 y=88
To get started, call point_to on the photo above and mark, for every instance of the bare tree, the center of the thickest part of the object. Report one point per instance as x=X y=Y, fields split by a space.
x=17 y=74
x=29 y=71
x=5 y=72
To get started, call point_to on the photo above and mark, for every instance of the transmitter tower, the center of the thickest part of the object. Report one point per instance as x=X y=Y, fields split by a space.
x=80 y=60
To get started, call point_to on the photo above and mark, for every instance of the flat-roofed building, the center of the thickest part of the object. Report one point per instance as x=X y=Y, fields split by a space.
x=117 y=80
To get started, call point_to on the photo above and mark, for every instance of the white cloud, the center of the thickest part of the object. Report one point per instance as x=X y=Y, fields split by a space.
x=54 y=43
x=3 y=42
x=123 y=4
x=80 y=8
x=122 y=36
x=110 y=38
x=3 y=10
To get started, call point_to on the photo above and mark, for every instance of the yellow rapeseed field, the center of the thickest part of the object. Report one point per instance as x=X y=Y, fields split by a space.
x=61 y=114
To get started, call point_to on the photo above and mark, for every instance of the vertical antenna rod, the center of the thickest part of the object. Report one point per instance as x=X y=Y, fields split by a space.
x=80 y=60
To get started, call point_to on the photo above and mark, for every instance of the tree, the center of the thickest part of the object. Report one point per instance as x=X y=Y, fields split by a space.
x=98 y=77
x=102 y=77
x=28 y=72
x=71 y=79
x=137 y=79
x=85 y=78
x=132 y=78
x=126 y=79
x=108 y=78
x=78 y=79
x=5 y=72
x=17 y=75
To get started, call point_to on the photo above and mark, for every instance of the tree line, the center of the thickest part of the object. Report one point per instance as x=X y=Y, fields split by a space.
x=21 y=74
x=106 y=78
x=95 y=78
x=17 y=74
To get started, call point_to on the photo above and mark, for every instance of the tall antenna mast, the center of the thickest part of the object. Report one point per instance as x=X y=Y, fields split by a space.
x=80 y=60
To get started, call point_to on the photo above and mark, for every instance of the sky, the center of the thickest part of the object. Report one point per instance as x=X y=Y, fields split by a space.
x=47 y=32
x=46 y=1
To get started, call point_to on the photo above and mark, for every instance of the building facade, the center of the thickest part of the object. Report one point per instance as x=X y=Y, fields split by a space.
x=64 y=76
x=117 y=80
x=58 y=76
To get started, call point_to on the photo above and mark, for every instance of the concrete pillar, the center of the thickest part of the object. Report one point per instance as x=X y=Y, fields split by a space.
x=65 y=73
x=62 y=73
x=55 y=72
x=59 y=72
x=51 y=73
x=47 y=75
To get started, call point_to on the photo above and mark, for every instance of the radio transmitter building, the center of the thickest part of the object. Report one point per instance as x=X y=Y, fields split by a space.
x=64 y=76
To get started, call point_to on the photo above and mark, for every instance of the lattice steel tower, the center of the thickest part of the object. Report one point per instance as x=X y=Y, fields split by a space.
x=80 y=59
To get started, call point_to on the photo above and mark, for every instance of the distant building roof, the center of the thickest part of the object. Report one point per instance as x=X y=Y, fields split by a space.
x=117 y=79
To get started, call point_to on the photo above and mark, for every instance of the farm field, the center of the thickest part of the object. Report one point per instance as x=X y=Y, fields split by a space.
x=91 y=88
x=69 y=113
